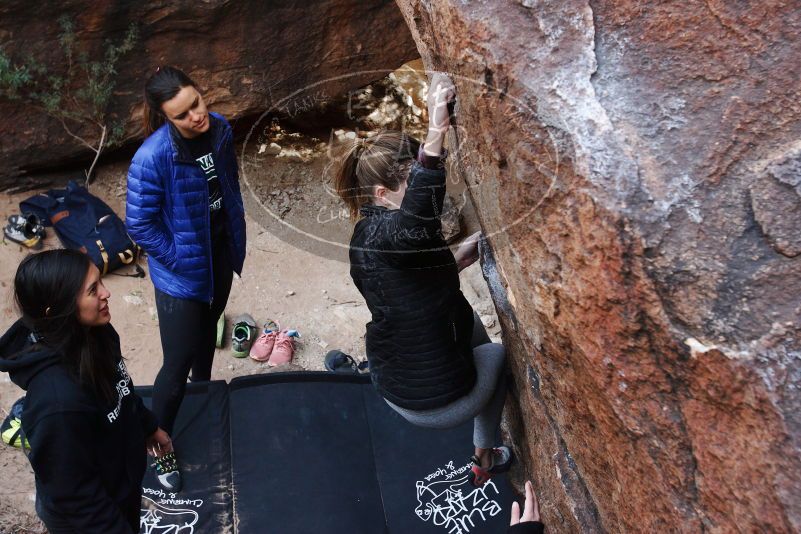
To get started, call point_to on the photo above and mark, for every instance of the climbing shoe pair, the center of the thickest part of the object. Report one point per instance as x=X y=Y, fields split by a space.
x=167 y=472
x=502 y=459
x=274 y=346
x=27 y=230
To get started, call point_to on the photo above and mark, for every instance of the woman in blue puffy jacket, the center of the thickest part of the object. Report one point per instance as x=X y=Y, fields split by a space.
x=184 y=208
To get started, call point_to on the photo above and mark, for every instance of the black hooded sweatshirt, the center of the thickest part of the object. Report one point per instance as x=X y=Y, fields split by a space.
x=88 y=455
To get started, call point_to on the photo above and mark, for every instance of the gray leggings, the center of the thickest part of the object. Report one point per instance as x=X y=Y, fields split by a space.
x=484 y=403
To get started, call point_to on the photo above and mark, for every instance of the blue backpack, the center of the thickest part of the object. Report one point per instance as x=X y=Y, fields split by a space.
x=84 y=222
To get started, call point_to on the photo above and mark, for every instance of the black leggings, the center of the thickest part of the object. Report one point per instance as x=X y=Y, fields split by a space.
x=188 y=331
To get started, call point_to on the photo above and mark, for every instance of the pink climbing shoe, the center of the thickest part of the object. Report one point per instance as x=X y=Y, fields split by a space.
x=502 y=459
x=262 y=348
x=284 y=348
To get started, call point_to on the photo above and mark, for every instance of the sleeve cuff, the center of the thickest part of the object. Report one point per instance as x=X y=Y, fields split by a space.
x=431 y=162
x=527 y=527
x=149 y=422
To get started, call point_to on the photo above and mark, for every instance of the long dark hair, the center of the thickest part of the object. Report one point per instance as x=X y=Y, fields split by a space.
x=383 y=159
x=164 y=84
x=46 y=289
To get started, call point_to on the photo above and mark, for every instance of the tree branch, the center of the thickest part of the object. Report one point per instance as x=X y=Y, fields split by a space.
x=81 y=139
x=97 y=156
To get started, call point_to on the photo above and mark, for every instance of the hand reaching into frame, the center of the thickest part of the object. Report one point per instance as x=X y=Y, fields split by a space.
x=531 y=511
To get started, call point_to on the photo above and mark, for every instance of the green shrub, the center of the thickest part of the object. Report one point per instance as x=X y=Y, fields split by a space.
x=78 y=96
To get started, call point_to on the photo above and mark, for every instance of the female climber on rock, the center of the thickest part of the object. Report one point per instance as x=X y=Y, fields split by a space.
x=429 y=355
x=185 y=210
x=87 y=429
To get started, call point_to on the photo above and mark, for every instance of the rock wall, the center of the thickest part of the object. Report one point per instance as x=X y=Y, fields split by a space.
x=247 y=56
x=637 y=168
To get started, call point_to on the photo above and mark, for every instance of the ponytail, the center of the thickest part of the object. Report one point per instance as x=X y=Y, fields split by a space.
x=152 y=119
x=383 y=159
x=345 y=181
x=163 y=85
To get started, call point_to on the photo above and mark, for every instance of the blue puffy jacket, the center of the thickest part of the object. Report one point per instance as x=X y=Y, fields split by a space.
x=167 y=212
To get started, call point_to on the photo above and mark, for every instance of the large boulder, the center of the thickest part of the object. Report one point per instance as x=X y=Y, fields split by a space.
x=636 y=166
x=248 y=56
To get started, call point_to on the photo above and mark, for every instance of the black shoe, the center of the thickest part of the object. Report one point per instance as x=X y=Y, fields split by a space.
x=337 y=361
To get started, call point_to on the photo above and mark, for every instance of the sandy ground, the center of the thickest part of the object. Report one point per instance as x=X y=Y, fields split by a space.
x=295 y=273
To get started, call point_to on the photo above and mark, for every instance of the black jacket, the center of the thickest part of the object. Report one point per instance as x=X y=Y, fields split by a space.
x=418 y=341
x=88 y=456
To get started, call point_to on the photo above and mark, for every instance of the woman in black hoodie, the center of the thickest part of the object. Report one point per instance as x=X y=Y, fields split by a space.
x=429 y=355
x=88 y=431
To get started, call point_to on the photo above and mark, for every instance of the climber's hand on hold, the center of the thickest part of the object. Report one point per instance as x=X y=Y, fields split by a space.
x=467 y=252
x=441 y=91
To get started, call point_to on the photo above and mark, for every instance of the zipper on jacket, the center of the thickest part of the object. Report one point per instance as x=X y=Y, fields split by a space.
x=208 y=242
x=207 y=218
x=226 y=221
x=179 y=159
x=216 y=157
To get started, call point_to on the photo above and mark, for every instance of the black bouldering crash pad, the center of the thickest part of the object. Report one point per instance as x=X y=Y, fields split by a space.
x=316 y=453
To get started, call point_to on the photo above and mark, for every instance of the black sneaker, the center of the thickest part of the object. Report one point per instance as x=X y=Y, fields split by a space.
x=337 y=361
x=167 y=472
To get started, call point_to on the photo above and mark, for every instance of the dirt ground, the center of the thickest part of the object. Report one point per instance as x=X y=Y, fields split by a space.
x=296 y=273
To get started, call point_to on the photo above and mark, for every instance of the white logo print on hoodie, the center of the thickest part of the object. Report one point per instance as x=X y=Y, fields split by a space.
x=123 y=389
